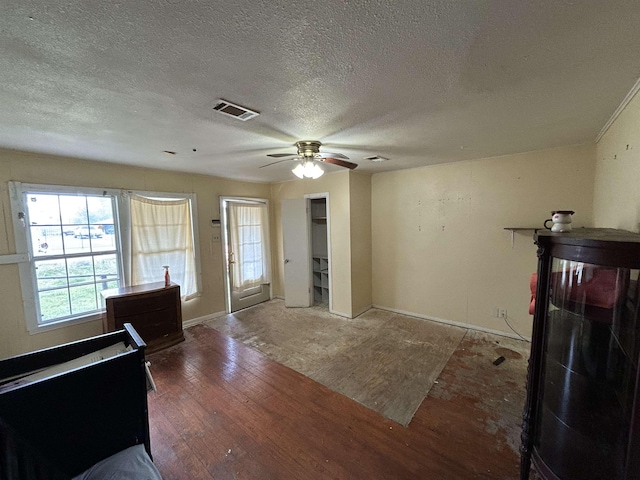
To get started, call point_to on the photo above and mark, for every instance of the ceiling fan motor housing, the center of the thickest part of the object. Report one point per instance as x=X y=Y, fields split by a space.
x=308 y=148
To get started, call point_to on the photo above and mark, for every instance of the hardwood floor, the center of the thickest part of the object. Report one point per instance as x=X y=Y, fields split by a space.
x=225 y=411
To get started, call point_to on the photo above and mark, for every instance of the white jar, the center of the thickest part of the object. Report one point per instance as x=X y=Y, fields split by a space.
x=561 y=221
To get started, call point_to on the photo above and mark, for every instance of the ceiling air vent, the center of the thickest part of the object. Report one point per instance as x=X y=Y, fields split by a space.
x=376 y=158
x=233 y=110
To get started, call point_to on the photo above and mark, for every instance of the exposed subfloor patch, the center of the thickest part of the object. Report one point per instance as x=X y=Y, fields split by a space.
x=386 y=361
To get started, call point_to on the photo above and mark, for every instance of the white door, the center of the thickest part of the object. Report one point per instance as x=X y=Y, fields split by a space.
x=297 y=258
x=246 y=226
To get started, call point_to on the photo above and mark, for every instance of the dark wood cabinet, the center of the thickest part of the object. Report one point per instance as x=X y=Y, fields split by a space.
x=154 y=311
x=80 y=408
x=582 y=411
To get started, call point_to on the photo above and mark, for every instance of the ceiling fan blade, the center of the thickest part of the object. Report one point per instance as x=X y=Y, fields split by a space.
x=333 y=155
x=279 y=155
x=273 y=163
x=337 y=161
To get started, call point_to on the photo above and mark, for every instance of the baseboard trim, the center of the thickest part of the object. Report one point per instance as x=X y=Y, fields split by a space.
x=198 y=320
x=468 y=326
x=365 y=309
x=334 y=312
x=340 y=314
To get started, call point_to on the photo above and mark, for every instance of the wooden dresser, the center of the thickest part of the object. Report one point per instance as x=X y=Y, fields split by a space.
x=153 y=309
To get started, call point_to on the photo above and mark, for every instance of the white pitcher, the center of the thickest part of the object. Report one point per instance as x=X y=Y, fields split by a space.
x=561 y=221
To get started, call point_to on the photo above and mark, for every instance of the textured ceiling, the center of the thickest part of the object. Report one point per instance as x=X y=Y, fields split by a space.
x=421 y=82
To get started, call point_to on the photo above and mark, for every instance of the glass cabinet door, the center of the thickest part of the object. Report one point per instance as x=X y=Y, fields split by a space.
x=589 y=370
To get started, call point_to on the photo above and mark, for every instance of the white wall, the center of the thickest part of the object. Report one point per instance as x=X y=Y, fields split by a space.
x=350 y=239
x=439 y=245
x=337 y=186
x=360 y=207
x=617 y=180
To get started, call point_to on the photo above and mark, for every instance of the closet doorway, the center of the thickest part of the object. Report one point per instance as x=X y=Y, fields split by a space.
x=307 y=251
x=321 y=276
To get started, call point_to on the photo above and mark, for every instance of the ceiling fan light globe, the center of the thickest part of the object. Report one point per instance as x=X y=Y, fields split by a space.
x=309 y=168
x=298 y=171
x=317 y=171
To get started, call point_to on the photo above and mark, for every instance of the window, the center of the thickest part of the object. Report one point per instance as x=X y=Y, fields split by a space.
x=162 y=234
x=72 y=238
x=72 y=257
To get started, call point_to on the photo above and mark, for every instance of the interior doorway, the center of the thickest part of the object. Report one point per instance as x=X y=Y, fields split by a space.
x=245 y=231
x=320 y=265
x=307 y=251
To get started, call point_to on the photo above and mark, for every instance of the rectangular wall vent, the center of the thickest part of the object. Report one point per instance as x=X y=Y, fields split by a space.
x=233 y=110
x=376 y=158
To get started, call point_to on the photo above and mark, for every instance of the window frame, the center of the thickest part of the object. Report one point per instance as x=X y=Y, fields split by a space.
x=28 y=277
x=122 y=233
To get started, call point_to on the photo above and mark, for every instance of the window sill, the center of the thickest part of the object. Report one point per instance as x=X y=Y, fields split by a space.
x=47 y=327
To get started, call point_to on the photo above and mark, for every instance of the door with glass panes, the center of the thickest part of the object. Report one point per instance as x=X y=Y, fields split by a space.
x=245 y=224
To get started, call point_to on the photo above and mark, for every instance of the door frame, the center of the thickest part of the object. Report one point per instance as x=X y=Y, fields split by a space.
x=224 y=235
x=325 y=195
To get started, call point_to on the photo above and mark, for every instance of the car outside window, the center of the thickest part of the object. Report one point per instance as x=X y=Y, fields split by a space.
x=72 y=260
x=88 y=232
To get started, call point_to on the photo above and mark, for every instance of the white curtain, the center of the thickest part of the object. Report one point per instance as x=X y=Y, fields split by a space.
x=248 y=231
x=161 y=234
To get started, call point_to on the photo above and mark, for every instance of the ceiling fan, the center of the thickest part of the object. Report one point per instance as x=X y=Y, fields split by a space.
x=308 y=154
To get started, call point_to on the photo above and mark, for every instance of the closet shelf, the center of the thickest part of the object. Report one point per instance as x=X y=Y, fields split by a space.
x=319 y=249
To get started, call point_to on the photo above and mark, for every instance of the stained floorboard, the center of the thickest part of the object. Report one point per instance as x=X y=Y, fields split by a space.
x=226 y=411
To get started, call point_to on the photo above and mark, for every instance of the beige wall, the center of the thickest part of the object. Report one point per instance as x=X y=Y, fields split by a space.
x=32 y=168
x=360 y=202
x=337 y=186
x=617 y=192
x=439 y=245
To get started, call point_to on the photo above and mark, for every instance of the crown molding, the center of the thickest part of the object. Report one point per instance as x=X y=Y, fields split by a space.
x=621 y=107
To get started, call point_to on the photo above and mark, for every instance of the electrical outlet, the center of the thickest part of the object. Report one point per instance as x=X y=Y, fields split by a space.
x=215 y=237
x=502 y=313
